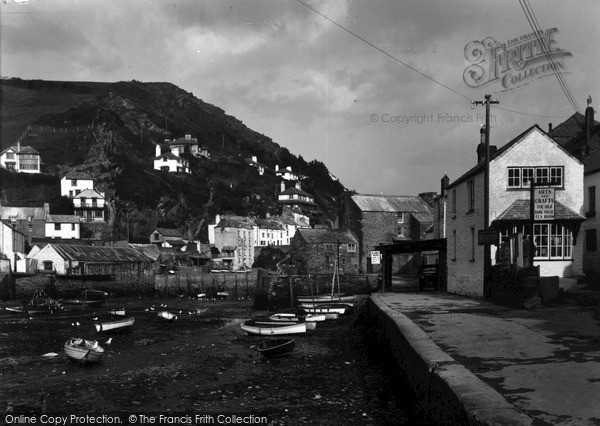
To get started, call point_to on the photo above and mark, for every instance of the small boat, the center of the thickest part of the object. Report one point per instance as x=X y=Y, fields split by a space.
x=329 y=308
x=275 y=347
x=41 y=304
x=282 y=316
x=326 y=298
x=86 y=351
x=166 y=315
x=309 y=305
x=118 y=312
x=89 y=298
x=114 y=325
x=252 y=327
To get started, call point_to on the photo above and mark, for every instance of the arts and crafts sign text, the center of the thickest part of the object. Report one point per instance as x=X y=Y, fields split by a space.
x=515 y=62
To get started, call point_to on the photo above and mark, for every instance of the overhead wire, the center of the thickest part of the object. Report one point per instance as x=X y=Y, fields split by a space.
x=407 y=65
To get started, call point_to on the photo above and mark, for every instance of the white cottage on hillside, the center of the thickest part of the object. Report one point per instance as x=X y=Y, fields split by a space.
x=21 y=159
x=532 y=155
x=169 y=162
x=74 y=182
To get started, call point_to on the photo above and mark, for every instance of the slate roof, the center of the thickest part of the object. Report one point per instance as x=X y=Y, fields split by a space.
x=592 y=163
x=391 y=203
x=568 y=129
x=235 y=222
x=184 y=141
x=170 y=156
x=269 y=224
x=294 y=190
x=62 y=218
x=88 y=193
x=22 y=212
x=168 y=232
x=27 y=150
x=99 y=254
x=325 y=236
x=77 y=175
x=520 y=210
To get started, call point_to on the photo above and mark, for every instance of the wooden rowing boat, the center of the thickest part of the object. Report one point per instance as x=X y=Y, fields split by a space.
x=338 y=308
x=309 y=305
x=310 y=325
x=326 y=298
x=276 y=347
x=166 y=315
x=124 y=324
x=252 y=327
x=90 y=298
x=86 y=351
x=282 y=316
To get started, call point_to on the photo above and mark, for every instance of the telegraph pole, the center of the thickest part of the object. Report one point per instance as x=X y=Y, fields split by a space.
x=486 y=191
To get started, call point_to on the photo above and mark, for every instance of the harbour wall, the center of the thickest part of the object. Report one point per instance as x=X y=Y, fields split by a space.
x=443 y=389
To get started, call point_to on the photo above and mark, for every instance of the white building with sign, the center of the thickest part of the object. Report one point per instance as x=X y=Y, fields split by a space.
x=558 y=175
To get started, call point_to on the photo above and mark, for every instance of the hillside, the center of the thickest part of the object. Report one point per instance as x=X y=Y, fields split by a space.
x=110 y=130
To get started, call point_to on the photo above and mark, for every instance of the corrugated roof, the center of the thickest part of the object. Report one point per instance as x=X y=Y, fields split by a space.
x=62 y=218
x=326 y=236
x=99 y=254
x=520 y=210
x=391 y=203
x=149 y=250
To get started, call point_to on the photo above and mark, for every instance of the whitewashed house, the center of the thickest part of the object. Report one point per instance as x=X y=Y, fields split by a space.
x=74 y=183
x=170 y=162
x=21 y=159
x=89 y=205
x=63 y=226
x=533 y=155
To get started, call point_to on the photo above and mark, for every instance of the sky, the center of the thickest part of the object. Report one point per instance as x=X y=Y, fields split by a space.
x=380 y=91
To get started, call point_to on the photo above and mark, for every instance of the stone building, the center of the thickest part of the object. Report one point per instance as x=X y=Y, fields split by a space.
x=385 y=219
x=316 y=250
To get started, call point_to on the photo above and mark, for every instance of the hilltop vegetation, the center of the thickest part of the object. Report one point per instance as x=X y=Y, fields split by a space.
x=110 y=130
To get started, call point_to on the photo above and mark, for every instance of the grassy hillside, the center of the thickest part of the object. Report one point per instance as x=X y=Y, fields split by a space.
x=110 y=130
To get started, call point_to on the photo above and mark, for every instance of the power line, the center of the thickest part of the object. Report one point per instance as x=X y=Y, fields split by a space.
x=383 y=51
x=409 y=66
x=532 y=20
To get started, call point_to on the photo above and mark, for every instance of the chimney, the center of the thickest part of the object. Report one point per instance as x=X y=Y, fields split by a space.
x=217 y=218
x=158 y=151
x=549 y=127
x=282 y=186
x=19 y=146
x=445 y=183
x=481 y=146
x=276 y=167
x=589 y=123
x=47 y=208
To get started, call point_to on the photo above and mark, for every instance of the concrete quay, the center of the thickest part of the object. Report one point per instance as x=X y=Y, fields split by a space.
x=473 y=362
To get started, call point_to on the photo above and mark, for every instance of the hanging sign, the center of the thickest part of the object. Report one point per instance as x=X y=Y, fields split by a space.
x=543 y=203
x=375 y=258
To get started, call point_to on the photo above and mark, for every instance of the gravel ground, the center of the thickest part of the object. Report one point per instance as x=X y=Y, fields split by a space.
x=199 y=364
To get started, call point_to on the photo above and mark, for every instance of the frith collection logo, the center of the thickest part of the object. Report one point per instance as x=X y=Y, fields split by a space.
x=515 y=62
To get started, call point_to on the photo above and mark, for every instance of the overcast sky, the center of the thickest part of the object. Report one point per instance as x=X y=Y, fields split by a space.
x=387 y=119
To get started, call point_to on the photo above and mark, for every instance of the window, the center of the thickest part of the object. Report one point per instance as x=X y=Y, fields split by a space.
x=519 y=177
x=351 y=247
x=156 y=237
x=47 y=265
x=552 y=241
x=72 y=227
x=71 y=194
x=471 y=194
x=514 y=177
x=98 y=213
x=401 y=231
x=10 y=156
x=73 y=182
x=526 y=176
x=83 y=201
x=453 y=202
x=57 y=226
x=591 y=201
x=591 y=240
x=400 y=217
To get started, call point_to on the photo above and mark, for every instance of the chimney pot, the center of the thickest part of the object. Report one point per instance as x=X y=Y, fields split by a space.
x=549 y=127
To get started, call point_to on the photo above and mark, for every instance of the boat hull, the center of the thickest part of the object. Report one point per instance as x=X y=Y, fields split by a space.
x=326 y=299
x=85 y=351
x=252 y=327
x=119 y=325
x=328 y=309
